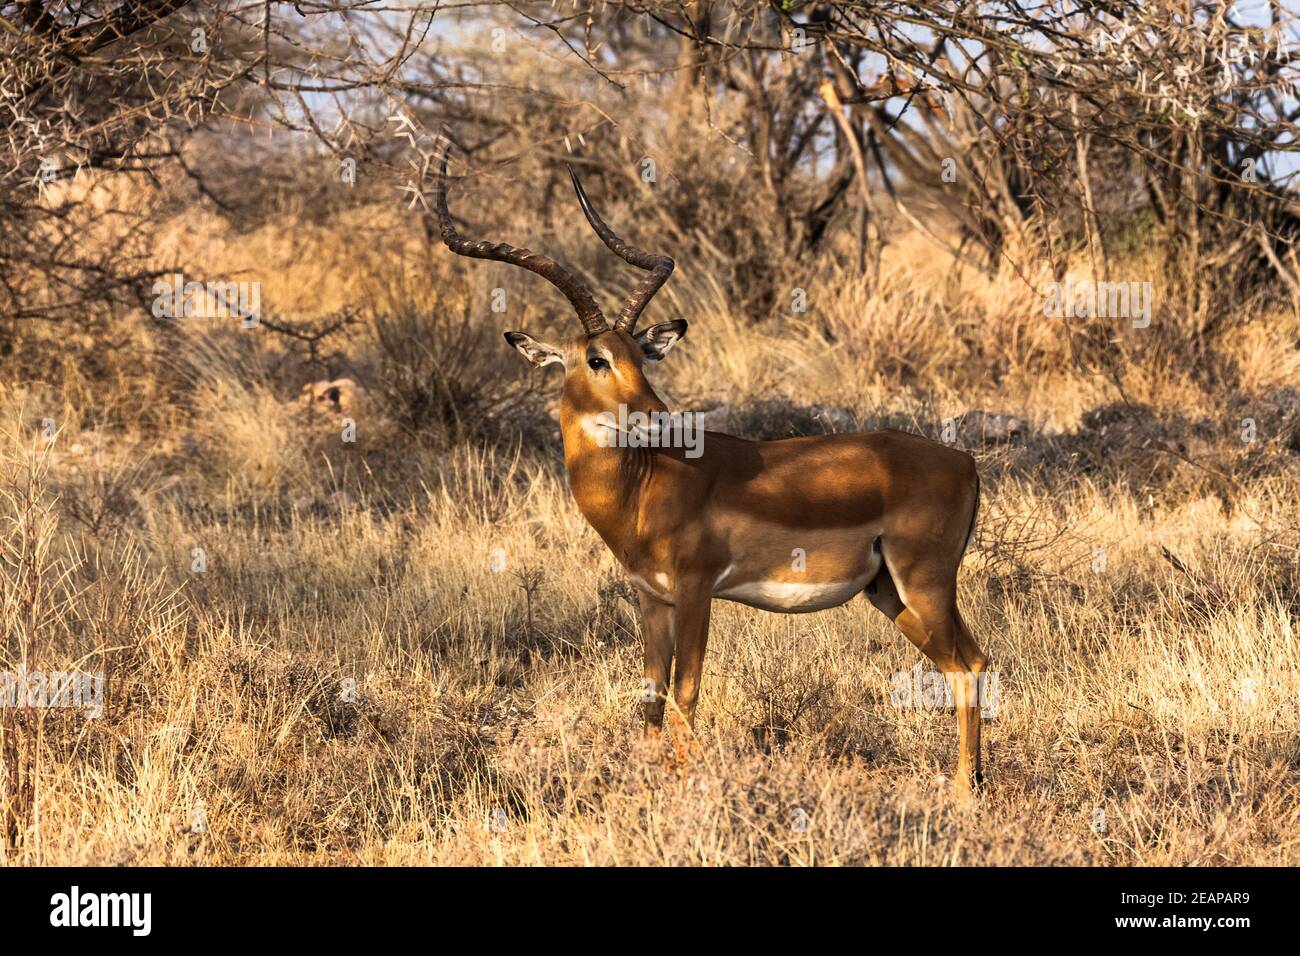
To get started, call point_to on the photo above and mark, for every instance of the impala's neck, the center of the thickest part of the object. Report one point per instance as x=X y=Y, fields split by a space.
x=607 y=476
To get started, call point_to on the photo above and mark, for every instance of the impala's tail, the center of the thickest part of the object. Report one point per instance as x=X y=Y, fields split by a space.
x=974 y=513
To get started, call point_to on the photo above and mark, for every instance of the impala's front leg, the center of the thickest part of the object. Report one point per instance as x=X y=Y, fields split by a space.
x=691 y=633
x=657 y=630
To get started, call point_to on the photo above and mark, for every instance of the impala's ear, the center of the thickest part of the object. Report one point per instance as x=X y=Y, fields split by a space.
x=537 y=353
x=658 y=339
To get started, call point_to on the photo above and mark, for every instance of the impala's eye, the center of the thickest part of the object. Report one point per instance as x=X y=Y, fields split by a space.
x=597 y=364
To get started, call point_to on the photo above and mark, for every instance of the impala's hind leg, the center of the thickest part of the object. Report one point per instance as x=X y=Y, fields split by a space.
x=926 y=613
x=977 y=662
x=932 y=627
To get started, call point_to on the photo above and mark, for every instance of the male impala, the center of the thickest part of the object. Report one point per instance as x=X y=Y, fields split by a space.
x=882 y=512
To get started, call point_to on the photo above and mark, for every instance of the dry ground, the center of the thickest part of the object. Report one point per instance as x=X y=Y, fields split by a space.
x=1134 y=581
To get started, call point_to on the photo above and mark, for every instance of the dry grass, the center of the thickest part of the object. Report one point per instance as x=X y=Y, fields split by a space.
x=1149 y=705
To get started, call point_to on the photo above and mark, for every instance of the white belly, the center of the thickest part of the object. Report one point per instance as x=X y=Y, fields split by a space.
x=813 y=586
x=793 y=597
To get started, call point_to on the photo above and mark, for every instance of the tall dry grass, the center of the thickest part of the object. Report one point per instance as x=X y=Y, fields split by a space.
x=412 y=649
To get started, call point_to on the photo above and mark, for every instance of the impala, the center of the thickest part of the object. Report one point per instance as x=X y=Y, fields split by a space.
x=789 y=526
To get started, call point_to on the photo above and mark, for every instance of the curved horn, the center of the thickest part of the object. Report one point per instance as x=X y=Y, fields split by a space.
x=579 y=295
x=661 y=267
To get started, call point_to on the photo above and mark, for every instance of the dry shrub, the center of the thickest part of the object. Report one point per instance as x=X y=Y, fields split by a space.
x=783 y=697
x=442 y=373
x=250 y=439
